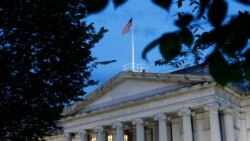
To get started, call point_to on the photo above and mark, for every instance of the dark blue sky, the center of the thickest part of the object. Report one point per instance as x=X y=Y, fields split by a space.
x=150 y=22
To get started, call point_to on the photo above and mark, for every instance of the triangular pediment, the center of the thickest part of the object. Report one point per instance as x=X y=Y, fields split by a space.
x=131 y=86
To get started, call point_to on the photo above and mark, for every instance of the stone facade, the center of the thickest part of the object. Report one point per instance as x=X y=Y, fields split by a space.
x=135 y=106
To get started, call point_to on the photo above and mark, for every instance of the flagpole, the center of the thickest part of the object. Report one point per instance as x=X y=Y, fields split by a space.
x=133 y=46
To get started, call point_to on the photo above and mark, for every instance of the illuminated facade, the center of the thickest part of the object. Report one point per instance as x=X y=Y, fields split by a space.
x=186 y=105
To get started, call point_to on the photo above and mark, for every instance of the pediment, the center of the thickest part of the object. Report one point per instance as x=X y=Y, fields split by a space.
x=130 y=86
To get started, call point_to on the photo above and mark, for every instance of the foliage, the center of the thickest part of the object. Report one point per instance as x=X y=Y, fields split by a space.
x=46 y=61
x=228 y=38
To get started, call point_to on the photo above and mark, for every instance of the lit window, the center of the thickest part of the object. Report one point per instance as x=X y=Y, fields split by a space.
x=109 y=137
x=125 y=137
x=93 y=139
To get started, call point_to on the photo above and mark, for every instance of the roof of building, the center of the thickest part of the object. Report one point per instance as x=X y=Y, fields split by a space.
x=116 y=80
x=201 y=69
x=195 y=74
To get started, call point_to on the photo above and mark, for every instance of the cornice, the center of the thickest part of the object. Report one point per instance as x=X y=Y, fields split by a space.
x=230 y=91
x=228 y=96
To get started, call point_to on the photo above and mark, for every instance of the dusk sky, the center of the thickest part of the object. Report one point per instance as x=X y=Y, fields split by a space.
x=149 y=21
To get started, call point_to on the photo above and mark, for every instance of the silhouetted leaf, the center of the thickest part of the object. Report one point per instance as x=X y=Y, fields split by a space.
x=184 y=20
x=163 y=3
x=160 y=62
x=186 y=37
x=106 y=62
x=221 y=71
x=195 y=8
x=245 y=1
x=247 y=69
x=203 y=6
x=150 y=47
x=118 y=2
x=170 y=46
x=206 y=38
x=195 y=29
x=217 y=12
x=247 y=63
x=94 y=6
x=179 y=3
x=240 y=25
x=179 y=14
x=234 y=45
x=192 y=2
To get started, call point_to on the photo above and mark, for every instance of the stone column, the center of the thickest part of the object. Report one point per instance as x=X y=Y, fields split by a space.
x=119 y=131
x=214 y=121
x=68 y=136
x=229 y=124
x=83 y=135
x=100 y=134
x=187 y=124
x=162 y=126
x=140 y=136
x=243 y=128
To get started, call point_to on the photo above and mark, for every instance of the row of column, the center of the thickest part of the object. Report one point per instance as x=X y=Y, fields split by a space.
x=162 y=126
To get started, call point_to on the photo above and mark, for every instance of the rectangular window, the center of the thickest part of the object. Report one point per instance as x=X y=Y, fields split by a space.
x=109 y=137
x=93 y=139
x=125 y=137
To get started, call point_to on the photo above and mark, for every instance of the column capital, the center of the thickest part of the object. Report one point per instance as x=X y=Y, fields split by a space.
x=228 y=111
x=82 y=132
x=212 y=107
x=99 y=129
x=215 y=132
x=137 y=121
x=184 y=112
x=68 y=136
x=117 y=125
x=160 y=117
x=241 y=116
x=187 y=124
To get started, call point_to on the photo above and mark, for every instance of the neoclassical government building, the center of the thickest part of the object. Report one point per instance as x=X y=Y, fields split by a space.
x=185 y=105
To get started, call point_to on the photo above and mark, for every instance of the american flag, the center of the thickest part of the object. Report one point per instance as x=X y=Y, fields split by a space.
x=127 y=27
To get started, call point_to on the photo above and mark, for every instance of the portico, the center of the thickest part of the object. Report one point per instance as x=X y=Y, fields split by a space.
x=158 y=107
x=145 y=127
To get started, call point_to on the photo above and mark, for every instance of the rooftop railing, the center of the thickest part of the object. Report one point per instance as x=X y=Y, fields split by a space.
x=136 y=68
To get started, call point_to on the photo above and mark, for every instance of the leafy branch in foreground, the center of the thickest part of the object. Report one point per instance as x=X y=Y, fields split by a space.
x=225 y=40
